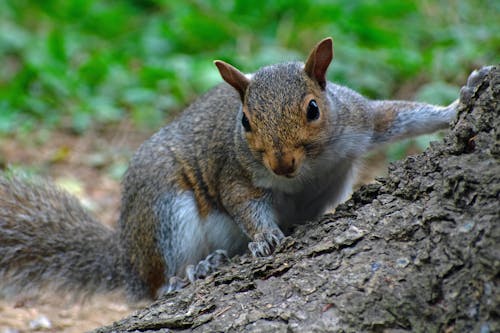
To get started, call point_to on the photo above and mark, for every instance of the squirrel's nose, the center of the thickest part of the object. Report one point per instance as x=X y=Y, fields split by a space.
x=285 y=166
x=283 y=162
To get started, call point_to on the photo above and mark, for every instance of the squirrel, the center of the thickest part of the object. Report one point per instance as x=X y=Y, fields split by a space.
x=236 y=170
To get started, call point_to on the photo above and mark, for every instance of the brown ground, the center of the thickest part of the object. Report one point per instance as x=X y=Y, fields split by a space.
x=87 y=165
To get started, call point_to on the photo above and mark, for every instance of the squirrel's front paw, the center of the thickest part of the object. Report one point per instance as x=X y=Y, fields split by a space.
x=265 y=242
x=474 y=78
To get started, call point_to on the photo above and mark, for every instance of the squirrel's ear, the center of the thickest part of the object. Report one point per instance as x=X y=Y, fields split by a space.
x=318 y=61
x=233 y=76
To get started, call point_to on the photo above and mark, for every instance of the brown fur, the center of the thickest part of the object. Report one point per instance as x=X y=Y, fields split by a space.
x=384 y=120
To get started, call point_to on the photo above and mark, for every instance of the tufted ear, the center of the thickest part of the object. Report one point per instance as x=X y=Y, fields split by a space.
x=318 y=61
x=233 y=76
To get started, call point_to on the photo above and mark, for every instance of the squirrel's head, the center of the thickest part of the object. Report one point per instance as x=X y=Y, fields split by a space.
x=285 y=113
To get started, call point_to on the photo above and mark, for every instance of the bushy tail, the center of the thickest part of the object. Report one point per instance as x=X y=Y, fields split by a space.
x=47 y=240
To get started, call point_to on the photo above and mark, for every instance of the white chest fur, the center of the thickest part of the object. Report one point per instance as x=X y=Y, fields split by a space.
x=301 y=199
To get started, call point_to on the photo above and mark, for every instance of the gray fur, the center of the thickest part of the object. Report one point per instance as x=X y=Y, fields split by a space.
x=413 y=119
x=186 y=239
x=84 y=261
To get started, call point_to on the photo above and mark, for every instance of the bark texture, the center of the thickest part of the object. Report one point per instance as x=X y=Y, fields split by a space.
x=416 y=252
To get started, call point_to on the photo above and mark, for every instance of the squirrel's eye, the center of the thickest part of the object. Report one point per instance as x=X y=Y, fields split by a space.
x=312 y=110
x=245 y=123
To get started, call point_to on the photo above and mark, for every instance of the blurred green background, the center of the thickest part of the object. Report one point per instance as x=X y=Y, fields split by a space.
x=74 y=63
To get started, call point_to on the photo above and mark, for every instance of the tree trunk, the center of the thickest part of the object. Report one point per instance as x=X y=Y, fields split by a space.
x=417 y=251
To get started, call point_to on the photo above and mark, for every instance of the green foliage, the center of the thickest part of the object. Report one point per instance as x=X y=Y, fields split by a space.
x=72 y=63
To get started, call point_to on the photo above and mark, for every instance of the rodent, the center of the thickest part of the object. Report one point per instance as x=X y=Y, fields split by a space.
x=236 y=170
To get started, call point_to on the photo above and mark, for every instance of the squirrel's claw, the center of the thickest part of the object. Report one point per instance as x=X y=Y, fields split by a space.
x=265 y=242
x=206 y=266
x=174 y=283
x=193 y=273
x=475 y=77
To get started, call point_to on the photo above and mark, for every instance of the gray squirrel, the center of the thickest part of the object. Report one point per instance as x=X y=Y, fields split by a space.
x=236 y=170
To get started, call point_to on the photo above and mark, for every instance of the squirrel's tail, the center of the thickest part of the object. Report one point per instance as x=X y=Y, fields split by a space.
x=48 y=240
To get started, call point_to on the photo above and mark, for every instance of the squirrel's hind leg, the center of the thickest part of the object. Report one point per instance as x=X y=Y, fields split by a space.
x=207 y=266
x=193 y=246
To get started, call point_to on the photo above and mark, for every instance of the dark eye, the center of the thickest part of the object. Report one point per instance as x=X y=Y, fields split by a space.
x=245 y=123
x=312 y=110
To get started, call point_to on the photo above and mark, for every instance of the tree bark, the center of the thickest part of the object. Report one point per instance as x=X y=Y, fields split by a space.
x=417 y=251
